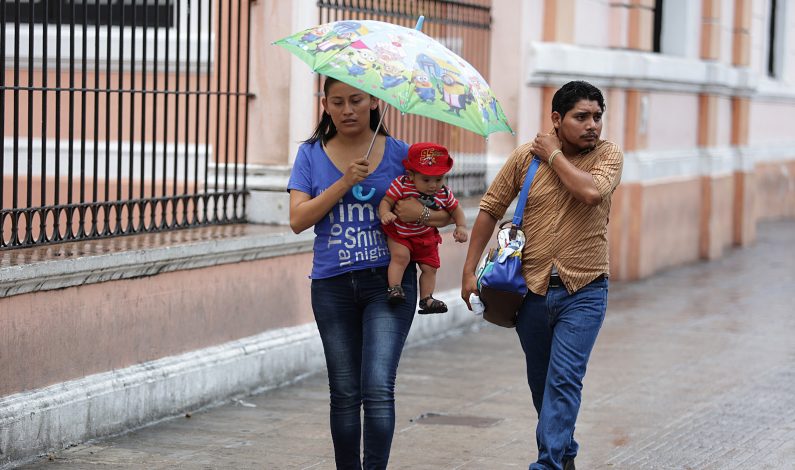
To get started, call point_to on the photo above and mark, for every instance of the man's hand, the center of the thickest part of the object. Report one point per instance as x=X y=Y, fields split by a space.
x=544 y=144
x=481 y=233
x=460 y=234
x=469 y=285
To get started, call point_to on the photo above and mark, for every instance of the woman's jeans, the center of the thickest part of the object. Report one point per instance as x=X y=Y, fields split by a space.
x=363 y=337
x=558 y=332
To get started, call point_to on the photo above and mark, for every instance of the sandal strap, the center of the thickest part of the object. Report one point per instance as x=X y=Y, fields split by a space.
x=430 y=300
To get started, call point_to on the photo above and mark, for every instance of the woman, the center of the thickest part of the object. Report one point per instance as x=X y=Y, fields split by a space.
x=334 y=188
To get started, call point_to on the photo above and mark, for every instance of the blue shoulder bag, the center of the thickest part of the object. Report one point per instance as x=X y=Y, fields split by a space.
x=500 y=282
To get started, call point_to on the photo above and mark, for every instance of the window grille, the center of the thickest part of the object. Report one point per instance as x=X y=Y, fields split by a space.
x=116 y=12
x=115 y=131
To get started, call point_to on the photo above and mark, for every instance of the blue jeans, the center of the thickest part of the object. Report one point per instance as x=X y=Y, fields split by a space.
x=558 y=332
x=363 y=337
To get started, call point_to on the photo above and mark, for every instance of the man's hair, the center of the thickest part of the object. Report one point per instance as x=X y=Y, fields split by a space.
x=569 y=94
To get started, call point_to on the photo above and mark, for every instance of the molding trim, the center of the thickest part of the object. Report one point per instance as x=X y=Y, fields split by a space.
x=659 y=166
x=121 y=152
x=101 y=405
x=554 y=64
x=57 y=274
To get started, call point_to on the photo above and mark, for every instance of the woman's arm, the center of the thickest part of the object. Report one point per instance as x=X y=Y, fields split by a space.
x=306 y=211
x=410 y=210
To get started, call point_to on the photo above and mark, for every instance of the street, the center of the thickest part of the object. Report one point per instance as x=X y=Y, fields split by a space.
x=694 y=369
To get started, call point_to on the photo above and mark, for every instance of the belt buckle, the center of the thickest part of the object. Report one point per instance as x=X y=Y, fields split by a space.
x=555 y=281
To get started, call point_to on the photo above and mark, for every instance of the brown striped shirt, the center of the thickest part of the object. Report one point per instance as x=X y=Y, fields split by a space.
x=559 y=229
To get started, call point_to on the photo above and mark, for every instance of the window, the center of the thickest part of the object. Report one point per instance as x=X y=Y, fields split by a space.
x=772 y=43
x=184 y=25
x=152 y=13
x=658 y=21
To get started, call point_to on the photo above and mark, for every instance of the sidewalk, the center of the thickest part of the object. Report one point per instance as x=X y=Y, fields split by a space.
x=694 y=369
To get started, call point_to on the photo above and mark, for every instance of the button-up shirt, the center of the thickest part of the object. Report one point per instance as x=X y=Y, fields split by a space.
x=559 y=229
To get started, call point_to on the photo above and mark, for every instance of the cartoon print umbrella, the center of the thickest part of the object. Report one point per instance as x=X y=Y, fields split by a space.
x=404 y=68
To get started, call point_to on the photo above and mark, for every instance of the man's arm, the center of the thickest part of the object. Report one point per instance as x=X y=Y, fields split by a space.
x=579 y=183
x=481 y=233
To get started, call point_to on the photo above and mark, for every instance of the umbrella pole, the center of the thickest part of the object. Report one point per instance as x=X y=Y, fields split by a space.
x=418 y=27
x=372 y=141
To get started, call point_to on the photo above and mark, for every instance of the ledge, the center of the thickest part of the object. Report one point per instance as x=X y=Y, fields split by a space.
x=72 y=264
x=558 y=63
x=76 y=263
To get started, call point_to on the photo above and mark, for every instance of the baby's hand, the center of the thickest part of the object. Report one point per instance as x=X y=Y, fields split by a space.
x=388 y=218
x=460 y=234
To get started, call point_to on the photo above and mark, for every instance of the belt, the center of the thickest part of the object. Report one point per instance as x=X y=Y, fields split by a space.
x=556 y=281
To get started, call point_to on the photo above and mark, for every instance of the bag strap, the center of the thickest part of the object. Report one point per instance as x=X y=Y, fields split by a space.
x=528 y=181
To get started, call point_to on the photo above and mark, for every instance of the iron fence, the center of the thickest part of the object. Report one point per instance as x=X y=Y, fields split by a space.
x=121 y=117
x=465 y=28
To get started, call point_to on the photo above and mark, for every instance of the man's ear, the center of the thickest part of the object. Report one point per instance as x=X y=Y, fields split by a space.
x=556 y=119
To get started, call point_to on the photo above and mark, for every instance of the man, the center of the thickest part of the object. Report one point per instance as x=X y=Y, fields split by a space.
x=564 y=260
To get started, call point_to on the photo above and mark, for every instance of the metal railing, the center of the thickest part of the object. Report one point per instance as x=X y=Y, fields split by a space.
x=121 y=117
x=465 y=28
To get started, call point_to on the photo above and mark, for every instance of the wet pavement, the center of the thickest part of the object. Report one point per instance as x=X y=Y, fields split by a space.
x=694 y=369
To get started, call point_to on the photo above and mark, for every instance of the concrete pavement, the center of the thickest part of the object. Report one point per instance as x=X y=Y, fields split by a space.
x=694 y=369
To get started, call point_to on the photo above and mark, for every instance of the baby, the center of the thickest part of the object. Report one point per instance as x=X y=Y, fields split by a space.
x=426 y=165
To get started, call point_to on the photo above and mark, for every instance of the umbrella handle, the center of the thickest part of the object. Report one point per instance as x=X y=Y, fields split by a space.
x=372 y=141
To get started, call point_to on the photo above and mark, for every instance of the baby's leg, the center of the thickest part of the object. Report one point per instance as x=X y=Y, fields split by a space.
x=401 y=256
x=427 y=280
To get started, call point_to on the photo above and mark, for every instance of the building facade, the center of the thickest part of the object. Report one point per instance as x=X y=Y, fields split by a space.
x=206 y=295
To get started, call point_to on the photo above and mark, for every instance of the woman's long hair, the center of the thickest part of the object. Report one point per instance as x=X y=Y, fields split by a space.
x=326 y=129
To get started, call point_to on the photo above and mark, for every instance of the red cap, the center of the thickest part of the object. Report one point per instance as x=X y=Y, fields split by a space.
x=428 y=158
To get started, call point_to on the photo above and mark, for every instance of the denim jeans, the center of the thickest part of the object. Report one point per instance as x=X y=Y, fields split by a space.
x=558 y=332
x=363 y=337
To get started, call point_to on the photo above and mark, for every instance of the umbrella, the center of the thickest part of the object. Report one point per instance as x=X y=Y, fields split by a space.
x=404 y=68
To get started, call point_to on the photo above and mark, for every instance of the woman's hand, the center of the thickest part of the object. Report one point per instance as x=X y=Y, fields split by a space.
x=357 y=171
x=408 y=209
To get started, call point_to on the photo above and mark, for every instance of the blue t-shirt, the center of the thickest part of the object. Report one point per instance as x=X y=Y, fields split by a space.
x=349 y=237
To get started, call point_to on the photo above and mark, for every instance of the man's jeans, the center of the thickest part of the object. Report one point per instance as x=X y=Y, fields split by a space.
x=558 y=332
x=363 y=337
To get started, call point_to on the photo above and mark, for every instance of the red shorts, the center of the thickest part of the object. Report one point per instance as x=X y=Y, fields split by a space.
x=424 y=248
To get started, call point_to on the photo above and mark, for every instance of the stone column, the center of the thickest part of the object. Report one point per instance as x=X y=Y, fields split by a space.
x=744 y=220
x=282 y=112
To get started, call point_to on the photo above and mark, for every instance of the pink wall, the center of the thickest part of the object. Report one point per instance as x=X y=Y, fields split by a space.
x=775 y=190
x=53 y=336
x=672 y=121
x=671 y=216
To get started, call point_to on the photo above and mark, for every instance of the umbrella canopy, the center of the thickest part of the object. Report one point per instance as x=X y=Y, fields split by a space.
x=403 y=67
